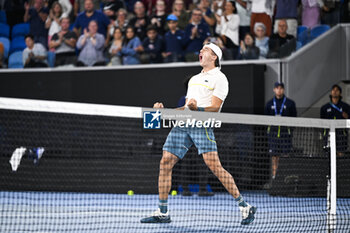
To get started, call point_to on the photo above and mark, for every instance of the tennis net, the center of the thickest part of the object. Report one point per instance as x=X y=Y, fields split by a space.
x=70 y=167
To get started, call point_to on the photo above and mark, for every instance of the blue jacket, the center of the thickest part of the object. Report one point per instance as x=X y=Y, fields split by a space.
x=289 y=110
x=174 y=42
x=130 y=56
x=154 y=49
x=196 y=44
x=82 y=21
x=329 y=112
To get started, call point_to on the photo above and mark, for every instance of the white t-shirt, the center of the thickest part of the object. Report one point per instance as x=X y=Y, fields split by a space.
x=244 y=15
x=258 y=6
x=230 y=28
x=204 y=85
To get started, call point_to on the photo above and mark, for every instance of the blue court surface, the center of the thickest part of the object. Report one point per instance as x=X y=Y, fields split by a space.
x=77 y=212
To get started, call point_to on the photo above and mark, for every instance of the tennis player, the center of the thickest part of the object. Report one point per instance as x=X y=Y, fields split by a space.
x=206 y=92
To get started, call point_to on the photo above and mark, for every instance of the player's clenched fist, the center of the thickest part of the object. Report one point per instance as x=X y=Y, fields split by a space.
x=158 y=105
x=192 y=104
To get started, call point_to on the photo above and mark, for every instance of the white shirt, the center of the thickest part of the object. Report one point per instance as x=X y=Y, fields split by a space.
x=258 y=6
x=229 y=28
x=244 y=15
x=203 y=86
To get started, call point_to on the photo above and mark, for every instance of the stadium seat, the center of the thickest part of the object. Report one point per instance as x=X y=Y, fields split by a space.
x=299 y=45
x=20 y=29
x=317 y=31
x=4 y=30
x=5 y=41
x=17 y=44
x=51 y=57
x=15 y=60
x=302 y=35
x=3 y=17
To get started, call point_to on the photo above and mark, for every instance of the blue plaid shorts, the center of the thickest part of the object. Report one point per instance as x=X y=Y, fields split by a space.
x=180 y=140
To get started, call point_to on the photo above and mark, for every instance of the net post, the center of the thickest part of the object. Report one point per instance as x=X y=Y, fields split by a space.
x=332 y=184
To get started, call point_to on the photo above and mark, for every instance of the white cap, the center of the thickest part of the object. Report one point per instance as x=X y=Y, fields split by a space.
x=216 y=49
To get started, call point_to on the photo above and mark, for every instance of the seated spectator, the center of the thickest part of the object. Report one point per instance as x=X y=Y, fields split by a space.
x=159 y=18
x=140 y=21
x=53 y=21
x=116 y=47
x=91 y=45
x=281 y=44
x=36 y=17
x=173 y=41
x=195 y=34
x=131 y=47
x=179 y=10
x=288 y=10
x=208 y=16
x=64 y=43
x=228 y=28
x=84 y=18
x=35 y=55
x=248 y=50
x=261 y=40
x=311 y=12
x=262 y=12
x=152 y=46
x=121 y=22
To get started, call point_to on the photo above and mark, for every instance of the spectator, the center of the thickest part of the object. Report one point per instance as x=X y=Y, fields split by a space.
x=53 y=21
x=279 y=137
x=248 y=50
x=173 y=41
x=84 y=19
x=288 y=10
x=208 y=16
x=111 y=7
x=180 y=12
x=65 y=4
x=244 y=17
x=227 y=27
x=159 y=18
x=336 y=109
x=121 y=23
x=152 y=46
x=36 y=17
x=79 y=6
x=64 y=43
x=116 y=47
x=35 y=55
x=195 y=34
x=261 y=40
x=262 y=11
x=14 y=10
x=281 y=44
x=331 y=12
x=311 y=12
x=131 y=47
x=91 y=45
x=140 y=21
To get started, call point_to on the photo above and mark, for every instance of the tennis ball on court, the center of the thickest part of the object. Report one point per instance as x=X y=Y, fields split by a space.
x=174 y=193
x=130 y=192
